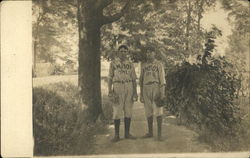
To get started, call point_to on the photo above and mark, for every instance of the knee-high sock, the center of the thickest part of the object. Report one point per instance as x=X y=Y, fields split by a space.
x=117 y=127
x=159 y=125
x=127 y=122
x=150 y=125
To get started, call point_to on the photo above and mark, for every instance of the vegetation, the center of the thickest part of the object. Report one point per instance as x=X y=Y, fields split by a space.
x=203 y=96
x=204 y=93
x=57 y=130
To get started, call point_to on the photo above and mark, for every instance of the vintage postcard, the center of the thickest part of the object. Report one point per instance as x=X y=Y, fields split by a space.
x=125 y=78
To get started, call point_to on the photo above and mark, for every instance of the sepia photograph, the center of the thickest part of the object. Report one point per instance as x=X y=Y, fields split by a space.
x=143 y=77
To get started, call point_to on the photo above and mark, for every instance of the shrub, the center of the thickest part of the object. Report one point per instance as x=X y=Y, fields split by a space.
x=56 y=118
x=204 y=95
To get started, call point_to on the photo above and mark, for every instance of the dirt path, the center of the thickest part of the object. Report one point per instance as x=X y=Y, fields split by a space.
x=176 y=138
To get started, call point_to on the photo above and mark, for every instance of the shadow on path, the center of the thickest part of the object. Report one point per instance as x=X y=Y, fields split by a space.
x=177 y=138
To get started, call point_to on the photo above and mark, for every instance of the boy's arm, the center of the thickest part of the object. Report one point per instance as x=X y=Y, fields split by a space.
x=109 y=86
x=162 y=80
x=135 y=90
x=110 y=79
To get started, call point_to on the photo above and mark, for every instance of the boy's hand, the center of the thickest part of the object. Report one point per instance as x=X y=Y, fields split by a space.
x=110 y=93
x=141 y=99
x=162 y=93
x=135 y=97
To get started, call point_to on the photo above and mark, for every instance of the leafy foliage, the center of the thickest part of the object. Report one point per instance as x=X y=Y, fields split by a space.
x=54 y=31
x=203 y=94
x=162 y=25
x=57 y=130
x=238 y=41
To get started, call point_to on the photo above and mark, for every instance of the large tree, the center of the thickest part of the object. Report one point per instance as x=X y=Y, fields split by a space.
x=90 y=20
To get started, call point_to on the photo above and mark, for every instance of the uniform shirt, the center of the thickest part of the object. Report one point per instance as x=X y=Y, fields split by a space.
x=121 y=71
x=152 y=72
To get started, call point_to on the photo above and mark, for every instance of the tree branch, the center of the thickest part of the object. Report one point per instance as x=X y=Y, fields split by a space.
x=101 y=4
x=117 y=16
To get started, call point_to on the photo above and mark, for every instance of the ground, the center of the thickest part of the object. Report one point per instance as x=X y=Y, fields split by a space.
x=177 y=138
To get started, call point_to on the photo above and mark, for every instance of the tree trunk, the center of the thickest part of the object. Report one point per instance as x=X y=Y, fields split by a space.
x=199 y=17
x=34 y=58
x=89 y=61
x=200 y=11
x=189 y=9
x=89 y=72
x=90 y=19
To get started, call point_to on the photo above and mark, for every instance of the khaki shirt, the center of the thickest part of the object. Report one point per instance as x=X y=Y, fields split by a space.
x=152 y=72
x=122 y=71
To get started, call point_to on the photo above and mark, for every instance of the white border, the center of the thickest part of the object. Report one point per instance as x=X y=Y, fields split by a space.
x=16 y=79
x=16 y=89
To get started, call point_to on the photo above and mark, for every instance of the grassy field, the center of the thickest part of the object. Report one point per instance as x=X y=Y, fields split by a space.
x=73 y=79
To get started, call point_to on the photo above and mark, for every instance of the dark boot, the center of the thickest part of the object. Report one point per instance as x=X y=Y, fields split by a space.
x=159 y=125
x=117 y=128
x=127 y=122
x=150 y=128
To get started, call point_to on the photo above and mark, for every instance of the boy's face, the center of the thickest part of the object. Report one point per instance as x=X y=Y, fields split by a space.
x=123 y=53
x=150 y=56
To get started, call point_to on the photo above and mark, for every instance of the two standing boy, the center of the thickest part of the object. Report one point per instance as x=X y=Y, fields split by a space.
x=122 y=84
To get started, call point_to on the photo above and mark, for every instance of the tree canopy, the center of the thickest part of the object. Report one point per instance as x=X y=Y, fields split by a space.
x=55 y=31
x=172 y=27
x=167 y=25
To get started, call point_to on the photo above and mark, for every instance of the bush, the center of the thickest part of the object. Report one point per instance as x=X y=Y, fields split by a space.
x=203 y=95
x=56 y=113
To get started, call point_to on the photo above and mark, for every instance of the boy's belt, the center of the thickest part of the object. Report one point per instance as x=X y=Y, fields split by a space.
x=152 y=82
x=123 y=81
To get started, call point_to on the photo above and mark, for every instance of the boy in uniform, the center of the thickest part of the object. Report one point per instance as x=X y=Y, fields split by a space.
x=122 y=84
x=152 y=86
